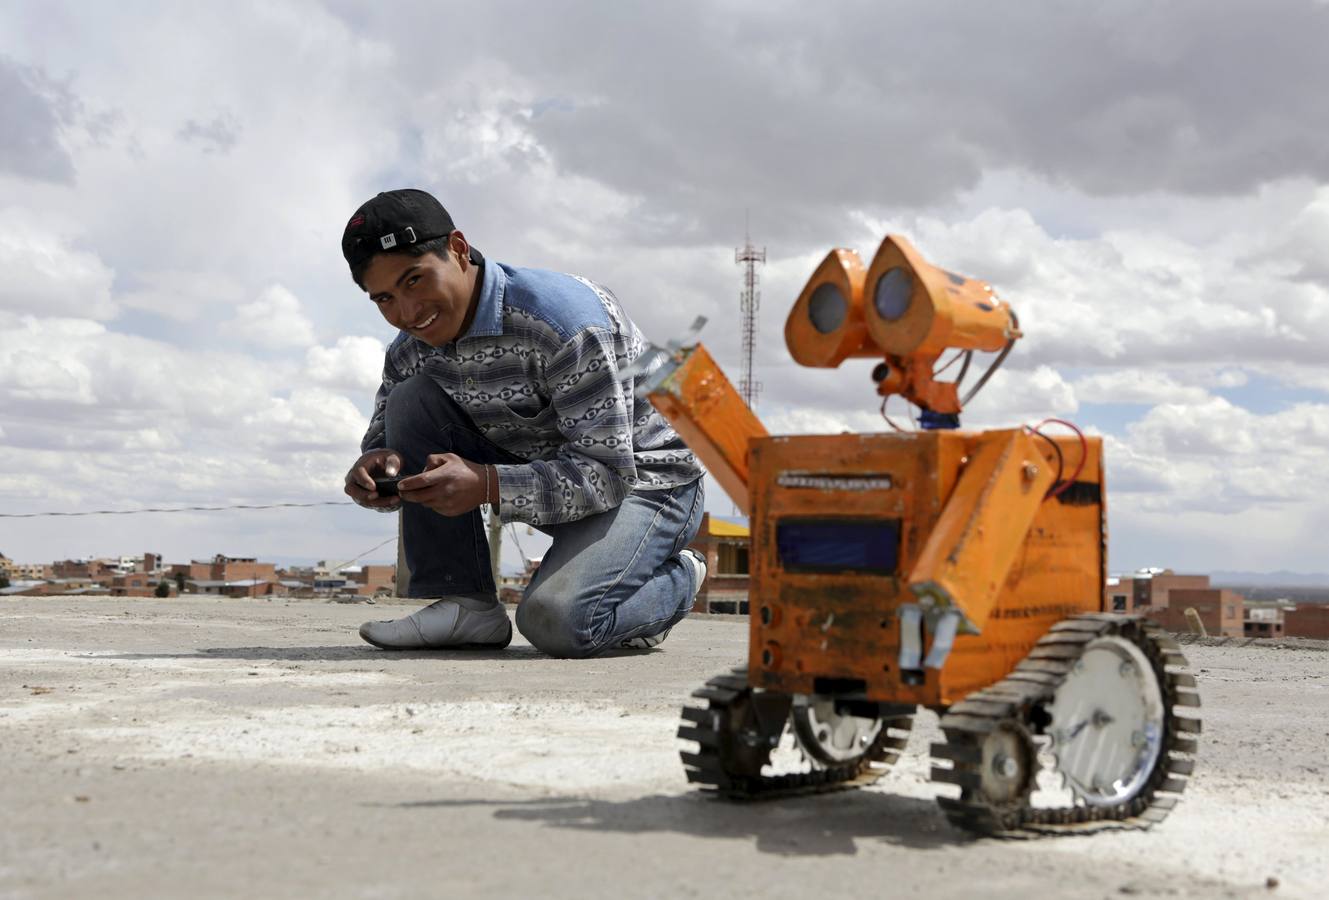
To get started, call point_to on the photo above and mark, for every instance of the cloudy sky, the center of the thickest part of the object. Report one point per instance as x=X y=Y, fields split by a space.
x=1146 y=182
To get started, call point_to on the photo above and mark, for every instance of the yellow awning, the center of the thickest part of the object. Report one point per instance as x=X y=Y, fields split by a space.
x=721 y=528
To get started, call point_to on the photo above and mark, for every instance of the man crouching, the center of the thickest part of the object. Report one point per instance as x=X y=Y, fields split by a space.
x=504 y=387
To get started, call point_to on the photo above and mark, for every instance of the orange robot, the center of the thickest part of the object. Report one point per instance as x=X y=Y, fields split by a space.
x=959 y=571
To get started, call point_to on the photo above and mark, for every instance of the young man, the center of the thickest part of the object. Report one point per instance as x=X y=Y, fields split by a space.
x=504 y=387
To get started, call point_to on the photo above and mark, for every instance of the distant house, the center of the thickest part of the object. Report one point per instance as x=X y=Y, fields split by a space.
x=1164 y=596
x=727 y=548
x=138 y=584
x=1265 y=620
x=368 y=580
x=1307 y=620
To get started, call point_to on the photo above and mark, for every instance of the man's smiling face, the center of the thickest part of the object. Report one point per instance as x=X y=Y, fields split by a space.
x=427 y=296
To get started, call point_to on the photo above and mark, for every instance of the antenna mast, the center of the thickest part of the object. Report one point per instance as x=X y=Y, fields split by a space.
x=749 y=301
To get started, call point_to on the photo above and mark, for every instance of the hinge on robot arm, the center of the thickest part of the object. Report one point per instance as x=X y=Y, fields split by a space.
x=659 y=363
x=942 y=622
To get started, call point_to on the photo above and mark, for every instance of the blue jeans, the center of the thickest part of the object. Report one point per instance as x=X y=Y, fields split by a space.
x=606 y=578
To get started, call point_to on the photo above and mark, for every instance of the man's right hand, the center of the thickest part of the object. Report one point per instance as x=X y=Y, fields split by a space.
x=360 y=479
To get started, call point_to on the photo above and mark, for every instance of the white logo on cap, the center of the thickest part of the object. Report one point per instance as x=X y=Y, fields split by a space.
x=388 y=241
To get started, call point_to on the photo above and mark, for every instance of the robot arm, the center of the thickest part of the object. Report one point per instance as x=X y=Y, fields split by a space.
x=691 y=391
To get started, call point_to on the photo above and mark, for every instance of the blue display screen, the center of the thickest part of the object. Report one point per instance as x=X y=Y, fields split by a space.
x=836 y=545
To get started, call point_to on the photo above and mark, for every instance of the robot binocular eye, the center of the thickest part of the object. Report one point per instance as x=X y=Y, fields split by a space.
x=899 y=306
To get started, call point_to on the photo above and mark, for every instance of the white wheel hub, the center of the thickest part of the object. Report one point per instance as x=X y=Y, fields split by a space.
x=829 y=736
x=1107 y=722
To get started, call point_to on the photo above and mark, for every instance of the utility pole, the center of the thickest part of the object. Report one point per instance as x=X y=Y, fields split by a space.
x=749 y=302
x=495 y=543
x=402 y=585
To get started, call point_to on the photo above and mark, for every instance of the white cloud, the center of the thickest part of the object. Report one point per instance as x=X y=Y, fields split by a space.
x=353 y=363
x=108 y=393
x=173 y=301
x=1130 y=297
x=1140 y=386
x=45 y=276
x=274 y=320
x=1213 y=456
x=311 y=418
x=183 y=295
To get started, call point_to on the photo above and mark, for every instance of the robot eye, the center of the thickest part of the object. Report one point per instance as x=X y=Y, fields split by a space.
x=827 y=308
x=891 y=297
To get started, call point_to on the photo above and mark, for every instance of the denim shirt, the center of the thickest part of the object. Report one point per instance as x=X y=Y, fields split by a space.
x=538 y=372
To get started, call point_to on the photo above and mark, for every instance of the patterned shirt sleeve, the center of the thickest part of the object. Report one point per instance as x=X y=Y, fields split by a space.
x=594 y=469
x=376 y=436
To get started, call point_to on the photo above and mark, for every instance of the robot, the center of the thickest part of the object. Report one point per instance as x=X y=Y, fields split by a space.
x=958 y=571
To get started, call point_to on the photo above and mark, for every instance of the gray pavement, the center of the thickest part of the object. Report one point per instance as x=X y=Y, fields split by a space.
x=212 y=748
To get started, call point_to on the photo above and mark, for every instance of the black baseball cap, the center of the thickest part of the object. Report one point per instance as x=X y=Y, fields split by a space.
x=393 y=221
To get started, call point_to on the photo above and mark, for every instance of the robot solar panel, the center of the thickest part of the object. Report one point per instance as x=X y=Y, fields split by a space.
x=838 y=545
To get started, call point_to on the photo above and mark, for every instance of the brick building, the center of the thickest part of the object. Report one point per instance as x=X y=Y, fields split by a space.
x=15 y=571
x=1223 y=612
x=139 y=584
x=1164 y=596
x=725 y=545
x=100 y=571
x=234 y=576
x=1149 y=589
x=1307 y=620
x=371 y=579
x=1264 y=621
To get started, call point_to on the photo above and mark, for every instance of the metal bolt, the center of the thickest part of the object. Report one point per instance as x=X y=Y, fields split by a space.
x=1127 y=669
x=750 y=737
x=1005 y=766
x=1030 y=471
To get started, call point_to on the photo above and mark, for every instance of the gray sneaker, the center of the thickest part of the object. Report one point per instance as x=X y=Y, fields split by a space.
x=465 y=622
x=695 y=563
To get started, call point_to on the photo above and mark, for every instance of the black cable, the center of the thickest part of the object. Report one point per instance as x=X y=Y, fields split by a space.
x=889 y=421
x=964 y=369
x=996 y=364
x=950 y=362
x=1061 y=461
x=175 y=509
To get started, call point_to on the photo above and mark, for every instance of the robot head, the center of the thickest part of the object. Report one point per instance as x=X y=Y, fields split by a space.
x=901 y=309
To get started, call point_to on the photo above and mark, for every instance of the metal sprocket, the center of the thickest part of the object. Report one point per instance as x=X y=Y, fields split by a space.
x=1023 y=699
x=737 y=730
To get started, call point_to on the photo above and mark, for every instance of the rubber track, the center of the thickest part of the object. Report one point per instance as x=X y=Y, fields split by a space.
x=707 y=766
x=1035 y=681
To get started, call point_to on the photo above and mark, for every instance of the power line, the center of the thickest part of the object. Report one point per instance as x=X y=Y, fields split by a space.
x=176 y=509
x=341 y=566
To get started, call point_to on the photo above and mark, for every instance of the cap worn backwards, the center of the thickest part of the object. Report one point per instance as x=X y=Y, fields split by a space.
x=391 y=221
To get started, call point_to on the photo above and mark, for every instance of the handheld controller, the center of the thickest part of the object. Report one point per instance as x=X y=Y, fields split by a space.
x=386 y=485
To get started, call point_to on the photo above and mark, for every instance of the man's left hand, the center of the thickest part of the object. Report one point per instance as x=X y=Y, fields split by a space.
x=449 y=485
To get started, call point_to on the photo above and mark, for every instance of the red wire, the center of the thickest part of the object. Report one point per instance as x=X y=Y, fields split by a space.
x=1084 y=454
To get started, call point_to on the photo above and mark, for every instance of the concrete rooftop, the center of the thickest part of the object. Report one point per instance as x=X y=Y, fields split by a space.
x=226 y=747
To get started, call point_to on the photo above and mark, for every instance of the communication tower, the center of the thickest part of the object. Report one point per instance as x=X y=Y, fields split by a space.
x=749 y=301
